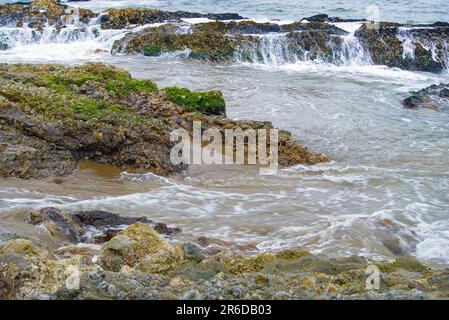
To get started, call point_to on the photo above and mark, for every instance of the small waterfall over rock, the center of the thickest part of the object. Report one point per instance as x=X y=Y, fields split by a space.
x=317 y=46
x=424 y=43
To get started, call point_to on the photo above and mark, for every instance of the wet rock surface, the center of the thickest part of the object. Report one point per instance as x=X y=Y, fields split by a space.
x=387 y=45
x=435 y=97
x=51 y=117
x=405 y=46
x=124 y=18
x=137 y=263
x=94 y=226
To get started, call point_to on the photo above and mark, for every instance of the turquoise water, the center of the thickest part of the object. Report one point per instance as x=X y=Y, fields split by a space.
x=417 y=11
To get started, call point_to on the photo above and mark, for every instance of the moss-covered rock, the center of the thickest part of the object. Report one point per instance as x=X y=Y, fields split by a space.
x=385 y=45
x=220 y=41
x=139 y=264
x=52 y=116
x=210 y=102
x=141 y=247
x=39 y=13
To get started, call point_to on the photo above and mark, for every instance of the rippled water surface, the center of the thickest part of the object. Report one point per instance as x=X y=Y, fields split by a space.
x=384 y=193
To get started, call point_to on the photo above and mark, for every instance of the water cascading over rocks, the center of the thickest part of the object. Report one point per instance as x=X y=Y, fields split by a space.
x=320 y=39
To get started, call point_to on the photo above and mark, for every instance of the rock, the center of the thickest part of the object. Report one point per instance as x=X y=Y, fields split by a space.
x=141 y=247
x=59 y=223
x=192 y=252
x=20 y=246
x=76 y=226
x=435 y=97
x=101 y=114
x=386 y=47
x=212 y=41
x=99 y=219
x=40 y=13
x=123 y=18
x=162 y=228
x=325 y=18
x=29 y=272
x=410 y=264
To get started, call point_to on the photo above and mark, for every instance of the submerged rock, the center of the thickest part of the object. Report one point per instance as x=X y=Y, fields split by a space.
x=435 y=97
x=407 y=47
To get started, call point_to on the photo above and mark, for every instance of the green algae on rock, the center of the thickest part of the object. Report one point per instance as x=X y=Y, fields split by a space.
x=53 y=116
x=387 y=48
x=123 y=18
x=435 y=97
x=139 y=264
x=141 y=247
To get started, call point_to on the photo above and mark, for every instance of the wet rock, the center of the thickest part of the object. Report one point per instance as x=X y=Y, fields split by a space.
x=19 y=246
x=59 y=223
x=29 y=272
x=217 y=41
x=325 y=18
x=32 y=147
x=435 y=97
x=100 y=219
x=78 y=226
x=123 y=18
x=40 y=13
x=162 y=228
x=141 y=247
x=101 y=114
x=192 y=252
x=386 y=45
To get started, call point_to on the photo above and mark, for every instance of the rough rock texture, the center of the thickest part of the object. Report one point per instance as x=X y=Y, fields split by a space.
x=386 y=45
x=220 y=41
x=435 y=97
x=94 y=226
x=52 y=116
x=141 y=247
x=38 y=13
x=139 y=264
x=123 y=18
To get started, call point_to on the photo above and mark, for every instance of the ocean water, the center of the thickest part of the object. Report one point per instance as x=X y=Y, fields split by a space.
x=413 y=11
x=383 y=194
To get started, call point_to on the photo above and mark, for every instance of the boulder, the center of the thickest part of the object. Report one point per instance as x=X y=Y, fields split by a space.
x=435 y=97
x=52 y=117
x=139 y=247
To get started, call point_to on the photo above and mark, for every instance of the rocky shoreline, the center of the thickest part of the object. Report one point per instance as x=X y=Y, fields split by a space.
x=133 y=258
x=52 y=116
x=229 y=37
